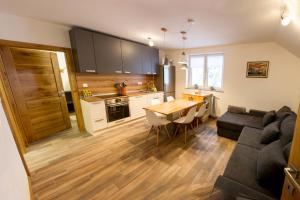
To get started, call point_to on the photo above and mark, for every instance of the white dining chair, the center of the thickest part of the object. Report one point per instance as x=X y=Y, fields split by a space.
x=202 y=110
x=156 y=102
x=170 y=98
x=185 y=121
x=157 y=124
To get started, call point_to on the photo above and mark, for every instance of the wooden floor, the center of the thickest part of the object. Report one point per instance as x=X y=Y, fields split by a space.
x=121 y=164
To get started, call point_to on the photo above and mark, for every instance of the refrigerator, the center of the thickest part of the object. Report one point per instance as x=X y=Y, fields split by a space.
x=166 y=80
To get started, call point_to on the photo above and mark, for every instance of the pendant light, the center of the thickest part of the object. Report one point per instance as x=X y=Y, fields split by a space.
x=165 y=59
x=150 y=42
x=183 y=60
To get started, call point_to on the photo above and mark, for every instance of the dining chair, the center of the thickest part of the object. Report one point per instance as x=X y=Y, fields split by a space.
x=185 y=121
x=156 y=102
x=157 y=124
x=201 y=112
x=170 y=98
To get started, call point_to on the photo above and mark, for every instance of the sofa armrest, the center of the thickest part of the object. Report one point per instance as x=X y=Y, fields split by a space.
x=231 y=188
x=258 y=113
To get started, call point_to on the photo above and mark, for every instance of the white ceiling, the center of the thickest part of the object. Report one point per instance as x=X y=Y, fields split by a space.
x=218 y=22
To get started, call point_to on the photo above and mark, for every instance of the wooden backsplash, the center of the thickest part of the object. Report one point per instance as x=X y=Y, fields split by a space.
x=105 y=83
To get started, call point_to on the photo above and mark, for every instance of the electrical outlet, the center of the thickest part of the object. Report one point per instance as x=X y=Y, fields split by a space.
x=85 y=85
x=140 y=83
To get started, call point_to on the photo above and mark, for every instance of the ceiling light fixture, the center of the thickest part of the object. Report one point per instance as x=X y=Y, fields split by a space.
x=150 y=42
x=183 y=60
x=285 y=19
x=165 y=59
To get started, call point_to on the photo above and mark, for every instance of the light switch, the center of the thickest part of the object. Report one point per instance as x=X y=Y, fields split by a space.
x=140 y=83
x=85 y=85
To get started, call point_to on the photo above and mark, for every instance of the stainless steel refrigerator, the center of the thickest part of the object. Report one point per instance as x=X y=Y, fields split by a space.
x=166 y=80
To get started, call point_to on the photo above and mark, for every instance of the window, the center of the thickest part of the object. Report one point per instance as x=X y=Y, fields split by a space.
x=206 y=71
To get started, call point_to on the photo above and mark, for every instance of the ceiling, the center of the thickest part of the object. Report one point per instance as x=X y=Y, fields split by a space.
x=217 y=22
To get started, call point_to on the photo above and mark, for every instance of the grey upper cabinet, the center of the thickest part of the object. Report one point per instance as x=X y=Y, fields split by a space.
x=132 y=57
x=108 y=54
x=154 y=60
x=83 y=50
x=146 y=54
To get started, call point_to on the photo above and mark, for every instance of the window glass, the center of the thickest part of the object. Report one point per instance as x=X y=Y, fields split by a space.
x=197 y=71
x=214 y=71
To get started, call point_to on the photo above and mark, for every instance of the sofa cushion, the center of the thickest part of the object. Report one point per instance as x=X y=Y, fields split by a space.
x=254 y=122
x=282 y=113
x=251 y=137
x=270 y=133
x=237 y=122
x=242 y=168
x=236 y=109
x=287 y=150
x=268 y=118
x=287 y=129
x=270 y=166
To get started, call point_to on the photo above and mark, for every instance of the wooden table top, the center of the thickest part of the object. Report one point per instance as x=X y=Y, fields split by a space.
x=168 y=108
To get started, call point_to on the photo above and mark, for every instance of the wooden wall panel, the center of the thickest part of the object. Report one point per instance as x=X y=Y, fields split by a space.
x=105 y=83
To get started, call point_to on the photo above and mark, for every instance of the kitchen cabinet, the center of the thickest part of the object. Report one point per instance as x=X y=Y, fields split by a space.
x=136 y=105
x=107 y=53
x=94 y=115
x=146 y=54
x=131 y=56
x=154 y=60
x=83 y=50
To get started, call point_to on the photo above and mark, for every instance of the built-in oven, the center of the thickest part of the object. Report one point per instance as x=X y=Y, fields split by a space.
x=117 y=108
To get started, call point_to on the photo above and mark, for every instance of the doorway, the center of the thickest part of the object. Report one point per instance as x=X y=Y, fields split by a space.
x=37 y=89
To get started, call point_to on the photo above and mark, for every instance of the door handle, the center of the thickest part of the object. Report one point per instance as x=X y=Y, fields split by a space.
x=292 y=175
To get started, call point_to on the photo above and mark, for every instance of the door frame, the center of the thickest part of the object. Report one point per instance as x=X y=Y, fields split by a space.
x=6 y=91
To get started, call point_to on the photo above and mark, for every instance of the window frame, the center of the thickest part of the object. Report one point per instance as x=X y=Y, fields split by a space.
x=205 y=71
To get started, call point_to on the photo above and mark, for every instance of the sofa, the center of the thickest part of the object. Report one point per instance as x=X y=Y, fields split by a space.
x=255 y=170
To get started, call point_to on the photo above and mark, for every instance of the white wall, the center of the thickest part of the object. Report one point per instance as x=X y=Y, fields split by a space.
x=34 y=31
x=13 y=178
x=282 y=87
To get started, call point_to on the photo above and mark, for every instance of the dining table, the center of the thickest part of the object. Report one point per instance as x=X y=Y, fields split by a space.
x=172 y=107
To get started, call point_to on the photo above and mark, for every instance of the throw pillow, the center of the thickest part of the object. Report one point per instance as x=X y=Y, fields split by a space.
x=268 y=118
x=286 y=151
x=282 y=113
x=287 y=128
x=236 y=109
x=270 y=165
x=270 y=133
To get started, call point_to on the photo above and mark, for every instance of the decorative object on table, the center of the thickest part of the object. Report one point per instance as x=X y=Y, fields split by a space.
x=121 y=88
x=151 y=86
x=257 y=69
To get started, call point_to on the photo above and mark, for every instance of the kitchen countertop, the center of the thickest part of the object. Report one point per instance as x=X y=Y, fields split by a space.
x=202 y=94
x=130 y=94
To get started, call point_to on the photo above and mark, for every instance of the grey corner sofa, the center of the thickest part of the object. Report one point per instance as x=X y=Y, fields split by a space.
x=240 y=178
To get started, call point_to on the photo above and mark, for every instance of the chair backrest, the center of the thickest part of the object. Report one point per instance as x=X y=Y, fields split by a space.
x=190 y=115
x=155 y=102
x=170 y=98
x=202 y=110
x=152 y=118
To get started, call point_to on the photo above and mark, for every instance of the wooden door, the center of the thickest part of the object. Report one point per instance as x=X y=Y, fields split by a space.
x=36 y=85
x=83 y=50
x=108 y=54
x=291 y=188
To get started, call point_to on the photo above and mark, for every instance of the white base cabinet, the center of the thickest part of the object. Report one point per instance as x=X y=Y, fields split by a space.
x=94 y=115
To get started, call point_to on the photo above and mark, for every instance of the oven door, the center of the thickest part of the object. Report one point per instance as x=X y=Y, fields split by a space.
x=117 y=111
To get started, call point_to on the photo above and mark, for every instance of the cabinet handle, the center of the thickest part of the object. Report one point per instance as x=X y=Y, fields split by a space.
x=118 y=72
x=127 y=72
x=119 y=121
x=90 y=70
x=99 y=120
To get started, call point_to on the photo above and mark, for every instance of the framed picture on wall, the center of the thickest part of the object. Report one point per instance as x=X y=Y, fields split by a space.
x=257 y=69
